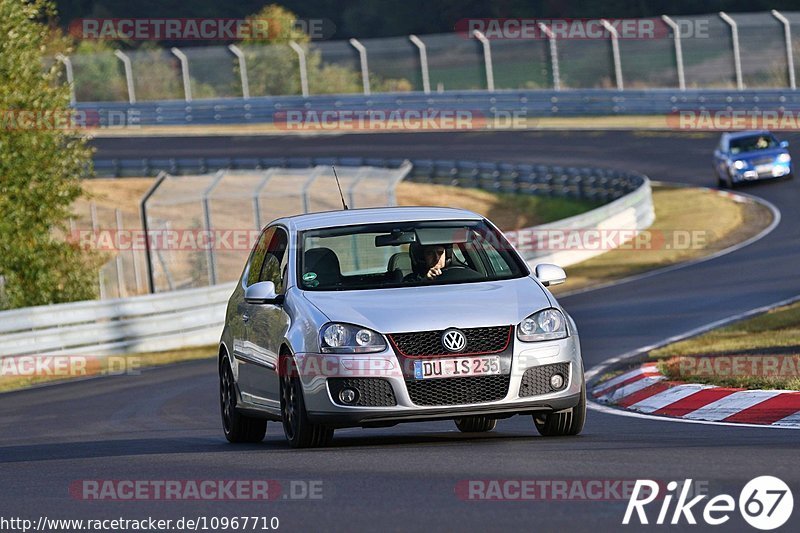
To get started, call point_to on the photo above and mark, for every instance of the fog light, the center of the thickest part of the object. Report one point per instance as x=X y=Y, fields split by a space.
x=556 y=381
x=348 y=395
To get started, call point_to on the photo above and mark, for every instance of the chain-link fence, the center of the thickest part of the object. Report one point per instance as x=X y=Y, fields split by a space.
x=194 y=231
x=740 y=50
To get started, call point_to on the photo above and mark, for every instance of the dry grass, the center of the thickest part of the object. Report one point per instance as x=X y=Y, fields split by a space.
x=99 y=366
x=644 y=122
x=718 y=220
x=775 y=333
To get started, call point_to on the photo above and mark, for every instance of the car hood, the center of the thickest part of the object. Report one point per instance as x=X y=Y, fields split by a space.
x=759 y=154
x=464 y=305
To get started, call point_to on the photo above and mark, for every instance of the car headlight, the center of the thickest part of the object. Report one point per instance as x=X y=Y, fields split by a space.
x=739 y=164
x=784 y=158
x=347 y=338
x=546 y=325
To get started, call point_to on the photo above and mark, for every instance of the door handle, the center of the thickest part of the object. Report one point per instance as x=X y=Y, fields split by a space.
x=245 y=317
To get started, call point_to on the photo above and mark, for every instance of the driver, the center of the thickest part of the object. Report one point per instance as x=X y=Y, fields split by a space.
x=428 y=262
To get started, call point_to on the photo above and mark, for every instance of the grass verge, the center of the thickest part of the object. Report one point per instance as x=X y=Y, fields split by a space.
x=690 y=223
x=758 y=353
x=611 y=122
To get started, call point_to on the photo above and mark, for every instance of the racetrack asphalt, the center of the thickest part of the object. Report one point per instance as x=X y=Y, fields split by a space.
x=164 y=423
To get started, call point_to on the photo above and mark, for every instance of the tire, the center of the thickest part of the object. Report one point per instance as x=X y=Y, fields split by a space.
x=720 y=182
x=300 y=431
x=563 y=423
x=475 y=424
x=237 y=427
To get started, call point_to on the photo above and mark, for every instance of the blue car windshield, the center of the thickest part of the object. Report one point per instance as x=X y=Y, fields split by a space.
x=753 y=143
x=405 y=254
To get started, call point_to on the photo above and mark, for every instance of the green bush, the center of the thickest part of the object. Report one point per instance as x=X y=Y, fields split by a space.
x=40 y=170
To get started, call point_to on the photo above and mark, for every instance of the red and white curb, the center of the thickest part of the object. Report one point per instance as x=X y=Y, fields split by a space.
x=646 y=390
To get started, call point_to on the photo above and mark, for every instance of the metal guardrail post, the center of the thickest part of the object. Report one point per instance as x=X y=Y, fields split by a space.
x=301 y=57
x=737 y=60
x=487 y=59
x=120 y=272
x=361 y=174
x=315 y=173
x=676 y=31
x=615 y=52
x=187 y=82
x=242 y=69
x=211 y=256
x=126 y=62
x=93 y=217
x=70 y=76
x=362 y=54
x=151 y=287
x=551 y=40
x=391 y=188
x=787 y=35
x=423 y=62
x=257 y=193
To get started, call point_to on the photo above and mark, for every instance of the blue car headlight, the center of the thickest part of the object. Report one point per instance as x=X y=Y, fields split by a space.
x=739 y=164
x=784 y=158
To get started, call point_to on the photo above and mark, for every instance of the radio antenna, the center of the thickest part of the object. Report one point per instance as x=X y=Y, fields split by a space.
x=335 y=175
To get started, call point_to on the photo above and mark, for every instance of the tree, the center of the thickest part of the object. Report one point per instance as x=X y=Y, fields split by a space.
x=273 y=69
x=41 y=163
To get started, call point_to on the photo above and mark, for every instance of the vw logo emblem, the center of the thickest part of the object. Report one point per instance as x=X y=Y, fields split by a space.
x=454 y=340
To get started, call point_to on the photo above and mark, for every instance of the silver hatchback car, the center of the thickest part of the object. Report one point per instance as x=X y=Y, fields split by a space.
x=371 y=317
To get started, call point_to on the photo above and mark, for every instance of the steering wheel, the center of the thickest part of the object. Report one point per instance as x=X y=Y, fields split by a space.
x=455 y=272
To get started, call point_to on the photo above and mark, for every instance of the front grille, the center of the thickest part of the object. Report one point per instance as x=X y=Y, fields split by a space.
x=536 y=380
x=458 y=391
x=429 y=343
x=371 y=392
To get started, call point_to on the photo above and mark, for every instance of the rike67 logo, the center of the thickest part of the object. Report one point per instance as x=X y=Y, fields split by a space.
x=765 y=503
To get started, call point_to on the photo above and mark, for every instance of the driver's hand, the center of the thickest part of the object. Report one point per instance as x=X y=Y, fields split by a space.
x=432 y=273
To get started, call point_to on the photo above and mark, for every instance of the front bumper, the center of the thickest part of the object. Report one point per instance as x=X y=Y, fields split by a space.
x=315 y=370
x=750 y=173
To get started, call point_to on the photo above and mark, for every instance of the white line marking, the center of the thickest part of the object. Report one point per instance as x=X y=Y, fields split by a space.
x=656 y=418
x=791 y=420
x=730 y=405
x=622 y=392
x=669 y=396
x=600 y=389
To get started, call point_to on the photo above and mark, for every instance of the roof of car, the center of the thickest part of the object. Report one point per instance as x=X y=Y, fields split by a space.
x=374 y=215
x=748 y=133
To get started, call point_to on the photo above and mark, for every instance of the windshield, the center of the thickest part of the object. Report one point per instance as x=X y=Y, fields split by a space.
x=753 y=143
x=404 y=254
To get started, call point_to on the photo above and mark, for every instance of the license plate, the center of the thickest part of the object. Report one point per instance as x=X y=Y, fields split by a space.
x=763 y=169
x=458 y=367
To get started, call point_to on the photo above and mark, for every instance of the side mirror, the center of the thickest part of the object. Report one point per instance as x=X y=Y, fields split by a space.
x=784 y=144
x=550 y=275
x=262 y=292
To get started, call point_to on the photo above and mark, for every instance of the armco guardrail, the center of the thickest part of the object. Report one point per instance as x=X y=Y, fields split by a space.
x=483 y=105
x=194 y=317
x=148 y=323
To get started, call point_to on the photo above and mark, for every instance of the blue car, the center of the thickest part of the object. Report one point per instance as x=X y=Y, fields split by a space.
x=751 y=156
